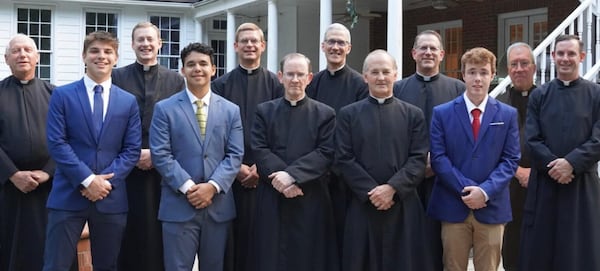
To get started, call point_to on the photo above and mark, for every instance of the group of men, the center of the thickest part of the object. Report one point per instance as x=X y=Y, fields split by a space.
x=339 y=170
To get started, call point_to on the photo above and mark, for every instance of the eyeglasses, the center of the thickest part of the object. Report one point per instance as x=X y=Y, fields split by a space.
x=430 y=48
x=340 y=43
x=291 y=75
x=249 y=41
x=523 y=64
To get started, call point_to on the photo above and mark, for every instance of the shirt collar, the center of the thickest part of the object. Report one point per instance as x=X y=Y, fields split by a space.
x=471 y=106
x=193 y=99
x=90 y=84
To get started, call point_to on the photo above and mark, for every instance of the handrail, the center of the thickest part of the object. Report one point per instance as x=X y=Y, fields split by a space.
x=548 y=41
x=590 y=75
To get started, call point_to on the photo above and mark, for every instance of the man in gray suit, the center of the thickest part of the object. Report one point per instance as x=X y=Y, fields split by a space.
x=197 y=144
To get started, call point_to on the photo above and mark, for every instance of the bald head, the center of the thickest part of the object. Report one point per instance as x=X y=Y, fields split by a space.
x=22 y=56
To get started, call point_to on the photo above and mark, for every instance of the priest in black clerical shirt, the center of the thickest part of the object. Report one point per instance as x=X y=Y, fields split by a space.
x=25 y=165
x=149 y=82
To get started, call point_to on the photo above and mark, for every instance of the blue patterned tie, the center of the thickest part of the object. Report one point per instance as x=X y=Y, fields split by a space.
x=98 y=109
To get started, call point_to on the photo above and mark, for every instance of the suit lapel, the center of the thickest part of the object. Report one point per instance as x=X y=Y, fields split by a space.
x=186 y=107
x=86 y=108
x=491 y=108
x=213 y=115
x=460 y=108
x=113 y=99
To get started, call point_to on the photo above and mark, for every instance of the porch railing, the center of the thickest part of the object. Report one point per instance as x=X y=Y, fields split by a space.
x=584 y=22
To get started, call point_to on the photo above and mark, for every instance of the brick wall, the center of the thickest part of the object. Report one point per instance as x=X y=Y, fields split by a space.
x=480 y=22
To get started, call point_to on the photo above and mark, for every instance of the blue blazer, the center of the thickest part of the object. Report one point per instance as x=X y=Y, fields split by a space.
x=179 y=153
x=459 y=161
x=78 y=153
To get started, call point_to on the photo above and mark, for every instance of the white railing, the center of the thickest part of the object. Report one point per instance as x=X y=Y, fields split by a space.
x=584 y=22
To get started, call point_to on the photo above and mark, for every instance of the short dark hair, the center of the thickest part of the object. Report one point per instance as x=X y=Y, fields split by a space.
x=101 y=36
x=199 y=48
x=570 y=37
x=428 y=32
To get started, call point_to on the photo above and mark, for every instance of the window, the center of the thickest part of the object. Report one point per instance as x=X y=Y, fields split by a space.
x=219 y=48
x=170 y=33
x=36 y=23
x=451 y=33
x=101 y=21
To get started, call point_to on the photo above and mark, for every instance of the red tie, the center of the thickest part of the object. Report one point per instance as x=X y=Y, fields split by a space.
x=476 y=123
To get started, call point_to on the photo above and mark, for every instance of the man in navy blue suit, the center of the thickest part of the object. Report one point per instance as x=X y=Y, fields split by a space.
x=94 y=135
x=474 y=154
x=197 y=145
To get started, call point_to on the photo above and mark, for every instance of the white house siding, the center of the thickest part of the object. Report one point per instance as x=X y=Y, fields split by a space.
x=68 y=30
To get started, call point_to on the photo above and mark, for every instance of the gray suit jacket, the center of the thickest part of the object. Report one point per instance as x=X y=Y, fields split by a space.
x=179 y=154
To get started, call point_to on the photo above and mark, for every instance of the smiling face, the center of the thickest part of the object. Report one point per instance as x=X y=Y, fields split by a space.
x=22 y=56
x=99 y=58
x=197 y=70
x=146 y=44
x=336 y=48
x=428 y=54
x=567 y=55
x=249 y=47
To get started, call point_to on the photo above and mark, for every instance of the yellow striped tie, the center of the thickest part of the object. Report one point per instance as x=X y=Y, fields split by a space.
x=201 y=117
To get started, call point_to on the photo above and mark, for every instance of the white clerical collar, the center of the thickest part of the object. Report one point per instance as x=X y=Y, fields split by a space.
x=566 y=83
x=380 y=100
x=295 y=102
x=250 y=70
x=147 y=67
x=427 y=78
x=24 y=82
x=333 y=72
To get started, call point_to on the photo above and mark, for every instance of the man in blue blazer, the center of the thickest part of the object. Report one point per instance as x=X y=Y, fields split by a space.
x=94 y=135
x=197 y=145
x=474 y=153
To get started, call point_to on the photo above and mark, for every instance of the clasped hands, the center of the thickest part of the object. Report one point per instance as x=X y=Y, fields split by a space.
x=284 y=183
x=382 y=196
x=99 y=188
x=248 y=176
x=200 y=195
x=27 y=181
x=561 y=171
x=473 y=197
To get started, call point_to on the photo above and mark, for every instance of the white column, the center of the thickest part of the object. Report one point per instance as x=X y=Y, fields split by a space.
x=325 y=21
x=231 y=56
x=199 y=30
x=272 y=39
x=394 y=32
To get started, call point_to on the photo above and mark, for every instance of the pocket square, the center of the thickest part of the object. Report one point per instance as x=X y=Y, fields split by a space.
x=497 y=123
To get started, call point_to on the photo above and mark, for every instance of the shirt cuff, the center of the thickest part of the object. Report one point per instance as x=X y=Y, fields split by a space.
x=186 y=186
x=216 y=185
x=87 y=181
x=484 y=194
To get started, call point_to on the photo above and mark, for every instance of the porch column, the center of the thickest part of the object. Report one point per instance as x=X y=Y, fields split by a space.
x=325 y=20
x=231 y=57
x=394 y=32
x=272 y=39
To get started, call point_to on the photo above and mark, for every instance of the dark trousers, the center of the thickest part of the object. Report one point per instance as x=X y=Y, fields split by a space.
x=64 y=230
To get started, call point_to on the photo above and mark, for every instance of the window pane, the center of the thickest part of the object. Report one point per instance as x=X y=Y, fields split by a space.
x=101 y=18
x=44 y=72
x=45 y=44
x=154 y=20
x=46 y=16
x=45 y=30
x=90 y=19
x=112 y=19
x=175 y=36
x=22 y=15
x=34 y=15
x=164 y=22
x=22 y=28
x=34 y=29
x=45 y=58
x=175 y=23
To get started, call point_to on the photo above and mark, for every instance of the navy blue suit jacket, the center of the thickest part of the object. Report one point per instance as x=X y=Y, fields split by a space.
x=78 y=153
x=179 y=154
x=459 y=161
